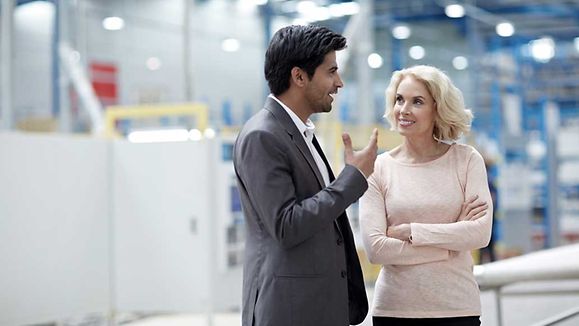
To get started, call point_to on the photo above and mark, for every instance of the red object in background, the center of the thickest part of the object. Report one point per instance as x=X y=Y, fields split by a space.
x=104 y=82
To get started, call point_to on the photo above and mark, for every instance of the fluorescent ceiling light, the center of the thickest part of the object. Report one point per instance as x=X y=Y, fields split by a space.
x=34 y=11
x=576 y=42
x=454 y=11
x=344 y=9
x=209 y=133
x=251 y=3
x=306 y=7
x=375 y=61
x=401 y=32
x=505 y=29
x=299 y=21
x=460 y=62
x=416 y=52
x=230 y=45
x=316 y=14
x=157 y=136
x=543 y=49
x=113 y=23
x=195 y=134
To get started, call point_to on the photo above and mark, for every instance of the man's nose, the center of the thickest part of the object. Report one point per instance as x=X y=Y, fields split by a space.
x=339 y=82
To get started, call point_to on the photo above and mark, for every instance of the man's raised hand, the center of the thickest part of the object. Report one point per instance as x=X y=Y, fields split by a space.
x=364 y=158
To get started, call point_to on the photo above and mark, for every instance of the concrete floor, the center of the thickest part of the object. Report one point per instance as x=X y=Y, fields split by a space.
x=518 y=309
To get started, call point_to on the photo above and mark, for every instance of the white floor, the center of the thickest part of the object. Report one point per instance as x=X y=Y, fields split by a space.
x=518 y=309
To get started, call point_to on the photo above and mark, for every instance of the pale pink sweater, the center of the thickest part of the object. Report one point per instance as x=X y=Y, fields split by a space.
x=432 y=277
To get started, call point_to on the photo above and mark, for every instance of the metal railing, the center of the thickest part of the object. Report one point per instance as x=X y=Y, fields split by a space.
x=560 y=263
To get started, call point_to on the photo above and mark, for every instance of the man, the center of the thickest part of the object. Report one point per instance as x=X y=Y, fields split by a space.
x=301 y=266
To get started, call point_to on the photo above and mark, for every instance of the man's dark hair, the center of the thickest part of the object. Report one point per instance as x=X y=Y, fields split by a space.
x=298 y=46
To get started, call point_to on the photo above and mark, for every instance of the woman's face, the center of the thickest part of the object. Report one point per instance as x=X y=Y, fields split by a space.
x=414 y=109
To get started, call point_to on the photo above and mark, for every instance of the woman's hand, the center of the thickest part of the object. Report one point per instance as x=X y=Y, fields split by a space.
x=473 y=209
x=400 y=232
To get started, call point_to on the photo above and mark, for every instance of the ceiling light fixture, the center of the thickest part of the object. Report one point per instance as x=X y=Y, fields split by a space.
x=230 y=45
x=543 y=49
x=505 y=29
x=375 y=61
x=416 y=52
x=113 y=23
x=401 y=31
x=460 y=62
x=454 y=11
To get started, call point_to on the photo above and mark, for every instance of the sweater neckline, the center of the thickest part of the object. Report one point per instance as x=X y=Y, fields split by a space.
x=450 y=148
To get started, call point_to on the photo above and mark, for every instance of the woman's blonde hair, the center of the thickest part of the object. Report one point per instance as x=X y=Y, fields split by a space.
x=452 y=118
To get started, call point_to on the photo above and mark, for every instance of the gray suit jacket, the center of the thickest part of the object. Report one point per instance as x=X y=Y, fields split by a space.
x=301 y=266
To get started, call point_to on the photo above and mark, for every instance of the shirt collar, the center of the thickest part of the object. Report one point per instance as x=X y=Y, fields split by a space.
x=307 y=129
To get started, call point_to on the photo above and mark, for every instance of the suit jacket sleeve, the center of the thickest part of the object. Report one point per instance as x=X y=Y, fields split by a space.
x=265 y=172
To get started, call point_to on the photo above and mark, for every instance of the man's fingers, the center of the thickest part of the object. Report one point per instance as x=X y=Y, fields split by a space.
x=373 y=143
x=374 y=137
x=347 y=142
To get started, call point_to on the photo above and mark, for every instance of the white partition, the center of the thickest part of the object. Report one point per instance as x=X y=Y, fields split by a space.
x=54 y=222
x=162 y=196
x=96 y=227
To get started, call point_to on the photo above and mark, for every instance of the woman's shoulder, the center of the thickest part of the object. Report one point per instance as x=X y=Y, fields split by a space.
x=465 y=152
x=387 y=156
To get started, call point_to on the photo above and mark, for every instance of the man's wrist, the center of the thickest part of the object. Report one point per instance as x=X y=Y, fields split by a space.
x=357 y=168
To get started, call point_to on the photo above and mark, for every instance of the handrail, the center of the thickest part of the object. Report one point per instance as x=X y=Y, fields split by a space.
x=559 y=263
x=554 y=320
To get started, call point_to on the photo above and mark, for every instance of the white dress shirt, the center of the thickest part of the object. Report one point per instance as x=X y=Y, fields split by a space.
x=307 y=131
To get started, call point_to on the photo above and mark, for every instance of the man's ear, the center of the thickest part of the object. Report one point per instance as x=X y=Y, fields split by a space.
x=298 y=76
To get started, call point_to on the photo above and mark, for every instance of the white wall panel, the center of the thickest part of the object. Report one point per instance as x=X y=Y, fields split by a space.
x=162 y=220
x=54 y=227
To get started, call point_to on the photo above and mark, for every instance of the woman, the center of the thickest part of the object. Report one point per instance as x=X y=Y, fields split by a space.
x=427 y=206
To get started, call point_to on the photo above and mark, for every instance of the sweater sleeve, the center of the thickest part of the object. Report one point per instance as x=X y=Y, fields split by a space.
x=461 y=235
x=381 y=249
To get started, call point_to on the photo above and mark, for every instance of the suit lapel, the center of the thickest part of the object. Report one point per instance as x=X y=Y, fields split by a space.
x=286 y=121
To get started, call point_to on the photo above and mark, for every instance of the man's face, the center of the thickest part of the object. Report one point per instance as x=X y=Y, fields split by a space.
x=323 y=86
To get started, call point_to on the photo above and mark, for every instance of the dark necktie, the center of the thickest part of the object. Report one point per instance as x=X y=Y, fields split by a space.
x=330 y=174
x=319 y=149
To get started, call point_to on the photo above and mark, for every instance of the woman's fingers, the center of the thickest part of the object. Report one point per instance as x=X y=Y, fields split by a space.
x=477 y=211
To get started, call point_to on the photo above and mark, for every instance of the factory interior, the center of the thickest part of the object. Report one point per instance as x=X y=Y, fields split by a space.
x=118 y=197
